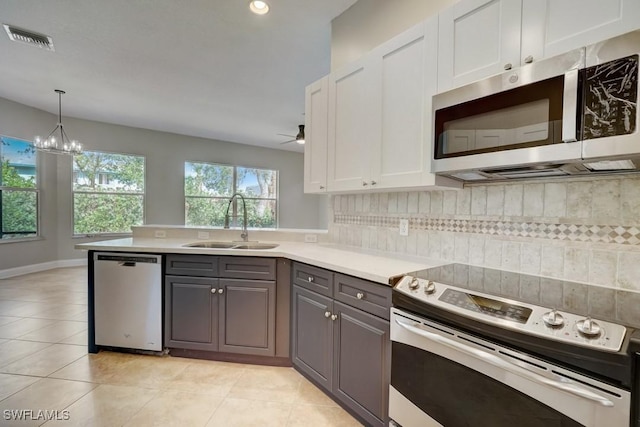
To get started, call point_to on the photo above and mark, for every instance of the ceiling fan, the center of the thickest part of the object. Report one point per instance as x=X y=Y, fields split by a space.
x=299 y=138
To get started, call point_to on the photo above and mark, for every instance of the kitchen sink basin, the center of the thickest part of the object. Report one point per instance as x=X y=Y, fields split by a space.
x=231 y=245
x=211 y=245
x=256 y=246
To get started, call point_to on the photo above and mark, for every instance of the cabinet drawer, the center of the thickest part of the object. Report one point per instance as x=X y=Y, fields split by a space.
x=247 y=268
x=192 y=265
x=368 y=296
x=314 y=279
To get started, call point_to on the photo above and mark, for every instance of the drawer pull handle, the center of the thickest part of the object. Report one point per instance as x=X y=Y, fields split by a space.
x=327 y=314
x=220 y=290
x=310 y=279
x=359 y=295
x=214 y=290
x=334 y=316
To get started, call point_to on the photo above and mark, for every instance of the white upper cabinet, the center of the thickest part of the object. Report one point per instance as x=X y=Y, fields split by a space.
x=316 y=128
x=551 y=27
x=351 y=128
x=480 y=38
x=405 y=82
x=477 y=38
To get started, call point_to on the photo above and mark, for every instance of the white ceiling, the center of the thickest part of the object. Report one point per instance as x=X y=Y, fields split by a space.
x=207 y=68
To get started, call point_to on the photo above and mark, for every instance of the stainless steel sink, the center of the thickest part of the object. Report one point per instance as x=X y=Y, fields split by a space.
x=231 y=245
x=211 y=245
x=256 y=246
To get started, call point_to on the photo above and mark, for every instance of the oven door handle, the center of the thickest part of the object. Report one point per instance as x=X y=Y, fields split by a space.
x=508 y=366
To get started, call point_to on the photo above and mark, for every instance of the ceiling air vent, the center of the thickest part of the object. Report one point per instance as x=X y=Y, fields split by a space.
x=29 y=37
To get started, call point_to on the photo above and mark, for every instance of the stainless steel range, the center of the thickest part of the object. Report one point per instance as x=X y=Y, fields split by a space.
x=479 y=347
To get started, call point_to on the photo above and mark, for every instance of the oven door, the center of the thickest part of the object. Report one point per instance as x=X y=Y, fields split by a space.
x=443 y=377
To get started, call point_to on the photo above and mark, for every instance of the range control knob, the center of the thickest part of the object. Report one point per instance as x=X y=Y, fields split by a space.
x=588 y=327
x=430 y=288
x=414 y=284
x=553 y=319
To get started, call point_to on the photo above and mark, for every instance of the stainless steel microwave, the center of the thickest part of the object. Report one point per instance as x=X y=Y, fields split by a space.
x=571 y=114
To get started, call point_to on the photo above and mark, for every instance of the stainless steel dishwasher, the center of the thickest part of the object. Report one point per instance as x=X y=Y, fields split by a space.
x=128 y=300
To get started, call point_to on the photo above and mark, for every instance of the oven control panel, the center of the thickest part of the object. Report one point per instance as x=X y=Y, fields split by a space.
x=530 y=319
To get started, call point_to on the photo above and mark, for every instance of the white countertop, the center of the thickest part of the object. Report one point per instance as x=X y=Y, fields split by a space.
x=376 y=267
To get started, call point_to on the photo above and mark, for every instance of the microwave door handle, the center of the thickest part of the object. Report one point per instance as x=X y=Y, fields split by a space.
x=570 y=107
x=500 y=363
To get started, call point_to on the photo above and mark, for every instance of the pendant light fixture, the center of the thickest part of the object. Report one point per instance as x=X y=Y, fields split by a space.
x=58 y=144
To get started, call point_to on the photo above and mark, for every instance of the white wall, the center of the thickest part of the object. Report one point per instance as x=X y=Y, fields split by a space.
x=369 y=23
x=165 y=156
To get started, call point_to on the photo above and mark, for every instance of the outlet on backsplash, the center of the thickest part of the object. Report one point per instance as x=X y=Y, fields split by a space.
x=203 y=235
x=404 y=227
x=160 y=234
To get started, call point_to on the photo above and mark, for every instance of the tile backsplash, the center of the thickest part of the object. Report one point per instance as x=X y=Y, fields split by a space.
x=577 y=229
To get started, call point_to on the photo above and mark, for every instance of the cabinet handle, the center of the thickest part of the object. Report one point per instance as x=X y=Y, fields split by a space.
x=214 y=290
x=359 y=295
x=221 y=290
x=322 y=187
x=364 y=184
x=334 y=316
x=327 y=314
x=528 y=59
x=310 y=279
x=508 y=66
x=373 y=183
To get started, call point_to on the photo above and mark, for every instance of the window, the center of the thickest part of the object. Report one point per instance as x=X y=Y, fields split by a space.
x=208 y=187
x=108 y=193
x=18 y=189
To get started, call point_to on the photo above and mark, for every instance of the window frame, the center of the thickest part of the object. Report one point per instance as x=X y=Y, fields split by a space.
x=234 y=211
x=35 y=190
x=75 y=235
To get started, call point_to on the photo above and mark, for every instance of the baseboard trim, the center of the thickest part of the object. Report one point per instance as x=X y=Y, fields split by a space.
x=35 y=268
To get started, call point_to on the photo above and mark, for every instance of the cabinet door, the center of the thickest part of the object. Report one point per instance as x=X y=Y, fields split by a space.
x=553 y=27
x=351 y=131
x=407 y=79
x=247 y=317
x=191 y=313
x=362 y=358
x=477 y=38
x=316 y=133
x=312 y=335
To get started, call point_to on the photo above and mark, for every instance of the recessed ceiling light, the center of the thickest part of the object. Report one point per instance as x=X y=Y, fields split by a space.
x=259 y=7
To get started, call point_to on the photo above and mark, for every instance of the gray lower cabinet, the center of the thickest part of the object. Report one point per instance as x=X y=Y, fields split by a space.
x=312 y=330
x=231 y=315
x=247 y=317
x=344 y=347
x=191 y=313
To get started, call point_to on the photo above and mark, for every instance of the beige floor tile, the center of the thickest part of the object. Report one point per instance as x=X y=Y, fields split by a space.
x=242 y=413
x=309 y=394
x=46 y=361
x=8 y=319
x=270 y=378
x=81 y=338
x=23 y=326
x=210 y=377
x=176 y=408
x=23 y=308
x=320 y=416
x=55 y=332
x=96 y=368
x=270 y=395
x=10 y=384
x=13 y=350
x=62 y=312
x=106 y=405
x=44 y=394
x=148 y=371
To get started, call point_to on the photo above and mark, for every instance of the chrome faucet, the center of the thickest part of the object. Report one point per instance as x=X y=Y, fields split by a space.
x=245 y=233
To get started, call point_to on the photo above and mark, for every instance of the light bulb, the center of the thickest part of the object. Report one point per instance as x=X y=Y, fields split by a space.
x=259 y=7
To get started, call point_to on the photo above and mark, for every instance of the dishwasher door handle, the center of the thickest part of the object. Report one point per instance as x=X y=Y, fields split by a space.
x=127 y=263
